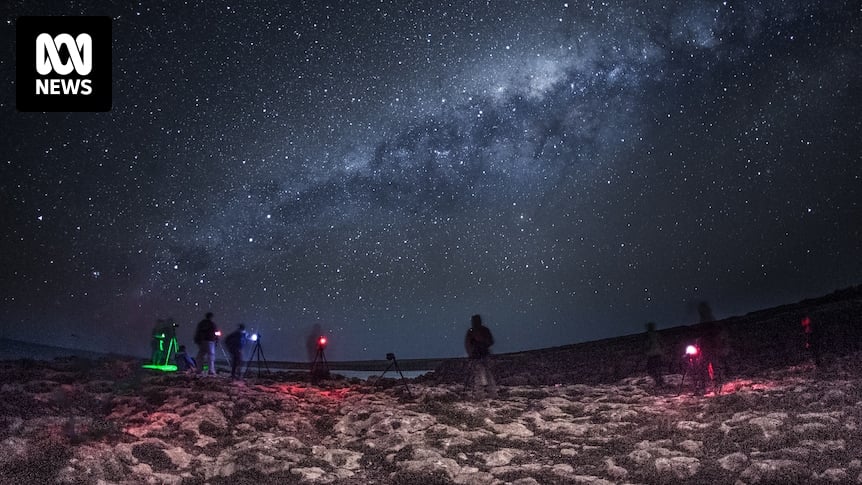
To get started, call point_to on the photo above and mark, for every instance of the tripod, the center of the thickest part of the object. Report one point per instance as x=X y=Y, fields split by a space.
x=257 y=353
x=161 y=355
x=394 y=363
x=223 y=352
x=319 y=366
x=173 y=347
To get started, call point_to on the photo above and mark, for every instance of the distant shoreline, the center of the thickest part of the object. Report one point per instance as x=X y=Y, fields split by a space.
x=367 y=365
x=769 y=337
x=16 y=350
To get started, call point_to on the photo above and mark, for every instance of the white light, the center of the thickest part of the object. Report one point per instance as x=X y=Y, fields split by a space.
x=691 y=350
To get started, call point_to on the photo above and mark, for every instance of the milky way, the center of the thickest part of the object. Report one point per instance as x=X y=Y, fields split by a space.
x=387 y=169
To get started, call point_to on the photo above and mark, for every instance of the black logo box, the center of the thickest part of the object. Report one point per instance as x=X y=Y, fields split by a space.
x=99 y=29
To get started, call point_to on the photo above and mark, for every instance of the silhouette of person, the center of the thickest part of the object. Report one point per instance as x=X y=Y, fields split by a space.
x=704 y=311
x=714 y=345
x=477 y=343
x=709 y=340
x=812 y=340
x=184 y=361
x=654 y=354
x=697 y=367
x=235 y=342
x=206 y=338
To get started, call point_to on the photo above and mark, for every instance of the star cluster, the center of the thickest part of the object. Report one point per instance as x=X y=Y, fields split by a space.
x=569 y=170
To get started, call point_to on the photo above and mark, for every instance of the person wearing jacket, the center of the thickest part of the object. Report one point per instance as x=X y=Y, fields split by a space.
x=477 y=343
x=206 y=337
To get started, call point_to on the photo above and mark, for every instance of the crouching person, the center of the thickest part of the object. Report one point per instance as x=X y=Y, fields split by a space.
x=185 y=363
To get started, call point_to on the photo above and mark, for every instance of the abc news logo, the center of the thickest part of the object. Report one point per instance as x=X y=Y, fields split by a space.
x=64 y=63
x=48 y=60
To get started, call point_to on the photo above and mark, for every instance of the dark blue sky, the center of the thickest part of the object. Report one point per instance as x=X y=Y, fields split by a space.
x=570 y=170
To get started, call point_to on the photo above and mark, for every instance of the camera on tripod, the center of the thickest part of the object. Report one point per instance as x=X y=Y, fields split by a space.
x=394 y=363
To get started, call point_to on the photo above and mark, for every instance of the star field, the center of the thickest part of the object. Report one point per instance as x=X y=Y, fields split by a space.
x=569 y=170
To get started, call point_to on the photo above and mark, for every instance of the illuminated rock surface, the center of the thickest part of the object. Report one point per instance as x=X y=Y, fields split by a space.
x=78 y=420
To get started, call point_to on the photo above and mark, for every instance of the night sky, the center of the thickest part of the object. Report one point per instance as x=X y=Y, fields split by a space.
x=387 y=169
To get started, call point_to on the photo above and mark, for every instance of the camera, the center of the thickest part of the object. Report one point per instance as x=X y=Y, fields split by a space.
x=390 y=356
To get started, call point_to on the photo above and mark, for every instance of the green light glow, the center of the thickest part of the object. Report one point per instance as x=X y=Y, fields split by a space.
x=165 y=355
x=163 y=368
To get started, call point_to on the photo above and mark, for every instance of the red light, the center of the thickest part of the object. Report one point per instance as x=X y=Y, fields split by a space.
x=321 y=342
x=691 y=350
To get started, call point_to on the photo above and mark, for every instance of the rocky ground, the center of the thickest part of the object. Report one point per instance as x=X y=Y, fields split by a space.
x=83 y=421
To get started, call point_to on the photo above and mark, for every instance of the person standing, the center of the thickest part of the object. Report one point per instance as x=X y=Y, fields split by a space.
x=698 y=367
x=812 y=340
x=654 y=354
x=235 y=343
x=477 y=343
x=206 y=338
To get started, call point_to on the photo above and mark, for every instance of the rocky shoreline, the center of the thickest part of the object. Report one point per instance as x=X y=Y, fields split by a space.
x=80 y=421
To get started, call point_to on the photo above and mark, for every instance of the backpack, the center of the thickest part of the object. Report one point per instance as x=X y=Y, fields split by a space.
x=481 y=340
